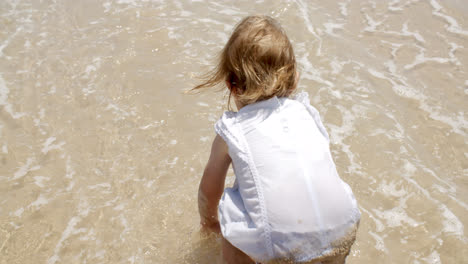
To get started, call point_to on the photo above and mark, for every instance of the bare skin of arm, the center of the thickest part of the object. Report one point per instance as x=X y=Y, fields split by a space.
x=212 y=185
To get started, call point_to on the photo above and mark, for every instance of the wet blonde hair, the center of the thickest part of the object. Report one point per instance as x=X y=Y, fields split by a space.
x=258 y=62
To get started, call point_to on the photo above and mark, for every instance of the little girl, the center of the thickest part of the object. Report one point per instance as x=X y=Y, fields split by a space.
x=288 y=204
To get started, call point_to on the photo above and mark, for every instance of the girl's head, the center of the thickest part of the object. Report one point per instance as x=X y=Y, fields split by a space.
x=257 y=62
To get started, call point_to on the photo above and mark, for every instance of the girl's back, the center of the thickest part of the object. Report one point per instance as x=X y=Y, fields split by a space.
x=287 y=189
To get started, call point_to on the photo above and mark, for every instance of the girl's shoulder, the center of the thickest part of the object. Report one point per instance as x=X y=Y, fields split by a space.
x=226 y=121
x=225 y=127
x=303 y=98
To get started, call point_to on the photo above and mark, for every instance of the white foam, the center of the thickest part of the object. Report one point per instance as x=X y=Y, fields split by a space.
x=41 y=200
x=173 y=142
x=8 y=40
x=392 y=6
x=27 y=44
x=173 y=162
x=377 y=74
x=104 y=185
x=52 y=90
x=128 y=2
x=23 y=170
x=403 y=33
x=434 y=258
x=39 y=180
x=447 y=187
x=344 y=8
x=453 y=48
x=150 y=183
x=339 y=133
x=458 y=201
x=70 y=186
x=48 y=146
x=206 y=20
x=137 y=257
x=391 y=67
x=18 y=212
x=337 y=67
x=330 y=27
x=5 y=148
x=4 y=91
x=409 y=167
x=311 y=73
x=303 y=8
x=152 y=125
x=69 y=172
x=390 y=189
x=451 y=223
x=172 y=33
x=452 y=22
x=372 y=24
x=379 y=243
x=395 y=47
x=120 y=113
x=89 y=69
x=397 y=216
x=229 y=12
x=119 y=207
x=126 y=226
x=100 y=254
x=336 y=93
x=69 y=231
x=203 y=104
x=353 y=80
x=15 y=226
x=83 y=211
x=416 y=35
x=403 y=90
x=458 y=123
x=404 y=240
x=185 y=13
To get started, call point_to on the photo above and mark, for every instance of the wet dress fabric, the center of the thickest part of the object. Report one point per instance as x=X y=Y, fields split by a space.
x=288 y=201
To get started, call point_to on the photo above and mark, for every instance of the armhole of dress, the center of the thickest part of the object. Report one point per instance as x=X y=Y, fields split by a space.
x=224 y=128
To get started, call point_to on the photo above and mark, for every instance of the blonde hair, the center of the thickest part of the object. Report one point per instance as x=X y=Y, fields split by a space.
x=258 y=62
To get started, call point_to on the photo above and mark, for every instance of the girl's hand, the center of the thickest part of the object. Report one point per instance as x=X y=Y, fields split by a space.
x=208 y=218
x=212 y=226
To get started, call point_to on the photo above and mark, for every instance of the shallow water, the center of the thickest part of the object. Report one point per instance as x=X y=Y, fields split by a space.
x=101 y=152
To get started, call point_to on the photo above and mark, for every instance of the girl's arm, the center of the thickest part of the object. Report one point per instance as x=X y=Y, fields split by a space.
x=212 y=185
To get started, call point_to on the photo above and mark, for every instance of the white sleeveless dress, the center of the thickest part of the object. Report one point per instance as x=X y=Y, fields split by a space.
x=288 y=200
